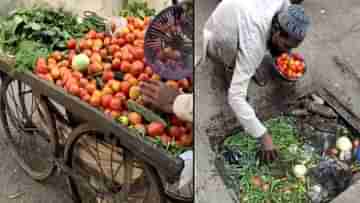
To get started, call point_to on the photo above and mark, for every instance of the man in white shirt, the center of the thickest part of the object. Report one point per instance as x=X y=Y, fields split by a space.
x=238 y=34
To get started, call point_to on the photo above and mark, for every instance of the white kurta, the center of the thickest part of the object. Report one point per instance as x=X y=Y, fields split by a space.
x=244 y=26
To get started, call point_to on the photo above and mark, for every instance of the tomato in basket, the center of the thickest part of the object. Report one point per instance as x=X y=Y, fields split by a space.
x=291 y=66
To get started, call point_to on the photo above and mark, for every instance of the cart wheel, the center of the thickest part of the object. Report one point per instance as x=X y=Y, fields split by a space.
x=29 y=128
x=63 y=124
x=109 y=172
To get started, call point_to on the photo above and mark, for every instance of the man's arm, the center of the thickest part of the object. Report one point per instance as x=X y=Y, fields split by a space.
x=285 y=5
x=167 y=99
x=237 y=100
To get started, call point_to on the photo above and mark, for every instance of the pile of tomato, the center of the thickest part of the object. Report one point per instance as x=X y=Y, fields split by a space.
x=111 y=56
x=292 y=66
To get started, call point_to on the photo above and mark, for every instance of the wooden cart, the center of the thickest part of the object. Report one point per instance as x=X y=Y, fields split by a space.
x=46 y=128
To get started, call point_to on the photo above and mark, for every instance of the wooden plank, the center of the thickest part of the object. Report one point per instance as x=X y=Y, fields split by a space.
x=165 y=163
x=340 y=107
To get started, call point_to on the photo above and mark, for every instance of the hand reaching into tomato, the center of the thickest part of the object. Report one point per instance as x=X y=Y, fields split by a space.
x=158 y=95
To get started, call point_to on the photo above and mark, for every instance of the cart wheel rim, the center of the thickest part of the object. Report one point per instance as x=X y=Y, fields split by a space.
x=107 y=169
x=28 y=129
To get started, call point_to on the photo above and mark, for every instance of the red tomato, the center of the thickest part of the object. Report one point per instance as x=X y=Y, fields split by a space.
x=155 y=129
x=105 y=100
x=130 y=19
x=117 y=54
x=114 y=40
x=127 y=56
x=121 y=41
x=107 y=41
x=174 y=131
x=139 y=43
x=86 y=98
x=74 y=89
x=71 y=44
x=91 y=34
x=71 y=55
x=100 y=35
x=127 y=76
x=166 y=140
x=136 y=68
x=143 y=77
x=184 y=83
x=186 y=140
x=91 y=88
x=125 y=86
x=125 y=66
x=88 y=52
x=103 y=53
x=115 y=103
x=131 y=28
x=175 y=121
x=107 y=75
x=77 y=75
x=113 y=48
x=134 y=118
x=82 y=44
x=41 y=69
x=121 y=95
x=138 y=53
x=116 y=64
x=95 y=100
x=107 y=66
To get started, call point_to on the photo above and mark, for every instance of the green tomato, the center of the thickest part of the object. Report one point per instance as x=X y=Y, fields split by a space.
x=123 y=120
x=80 y=62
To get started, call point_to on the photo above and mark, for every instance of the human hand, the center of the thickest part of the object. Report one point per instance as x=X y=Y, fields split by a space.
x=158 y=95
x=268 y=152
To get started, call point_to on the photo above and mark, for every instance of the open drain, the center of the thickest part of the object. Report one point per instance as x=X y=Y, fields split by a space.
x=308 y=139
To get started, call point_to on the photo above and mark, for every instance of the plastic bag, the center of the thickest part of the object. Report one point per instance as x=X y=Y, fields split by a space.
x=116 y=25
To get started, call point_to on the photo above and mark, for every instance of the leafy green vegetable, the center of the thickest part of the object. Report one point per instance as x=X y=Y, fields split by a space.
x=283 y=186
x=46 y=26
x=27 y=54
x=137 y=8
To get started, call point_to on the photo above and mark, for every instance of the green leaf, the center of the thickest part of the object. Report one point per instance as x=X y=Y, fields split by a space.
x=35 y=26
x=50 y=33
x=17 y=20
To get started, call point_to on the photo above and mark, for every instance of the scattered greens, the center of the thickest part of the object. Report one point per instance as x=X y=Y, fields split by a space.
x=172 y=148
x=278 y=182
x=27 y=54
x=137 y=8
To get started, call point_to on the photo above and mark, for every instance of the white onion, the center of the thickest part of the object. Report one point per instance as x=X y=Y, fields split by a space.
x=344 y=144
x=299 y=170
